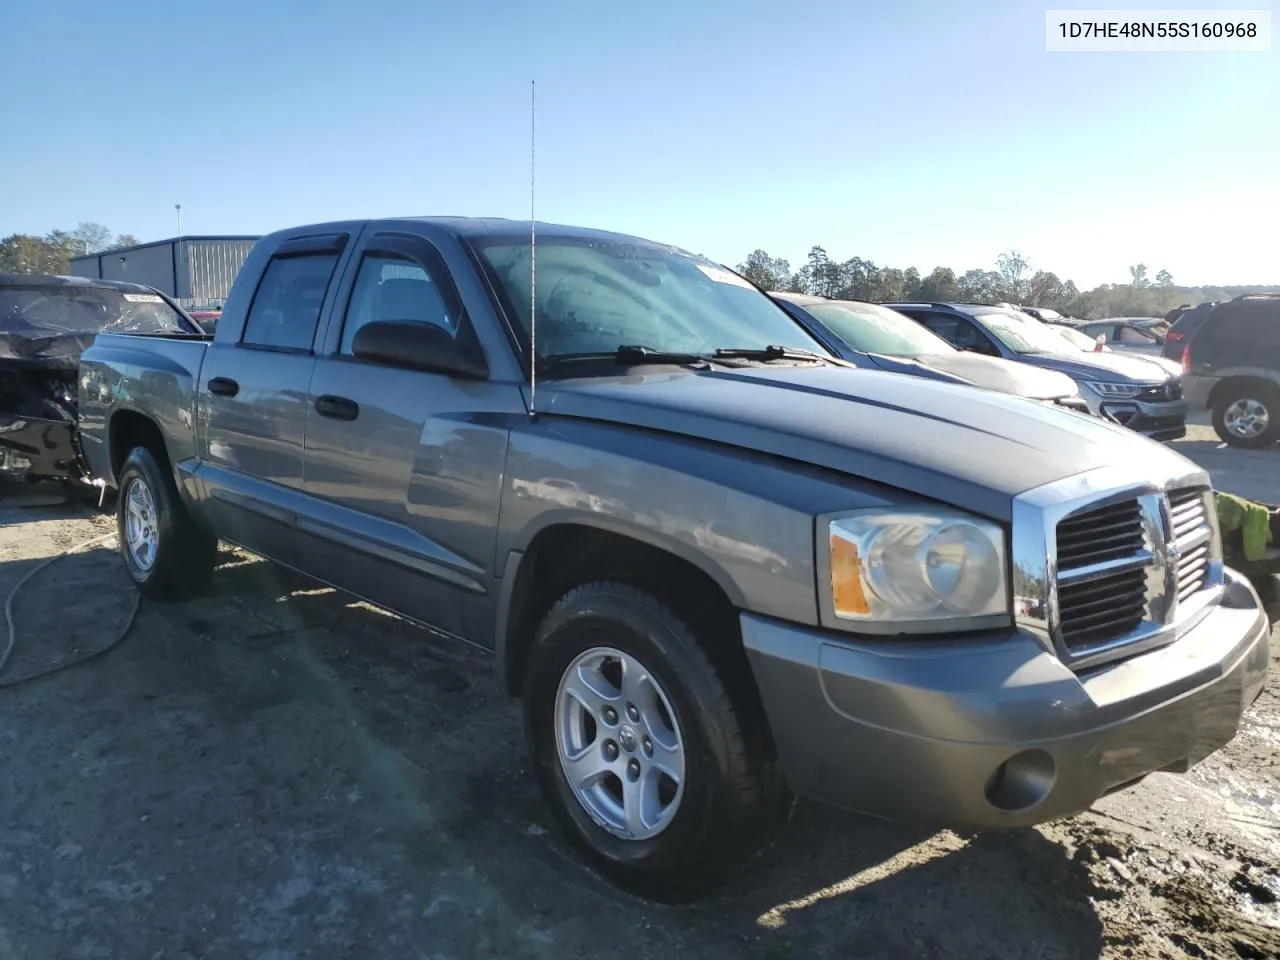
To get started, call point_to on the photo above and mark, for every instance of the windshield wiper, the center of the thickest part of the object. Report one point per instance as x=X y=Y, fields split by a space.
x=627 y=355
x=776 y=352
x=634 y=354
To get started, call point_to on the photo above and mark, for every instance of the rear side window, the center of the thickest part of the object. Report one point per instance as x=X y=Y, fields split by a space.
x=286 y=307
x=1246 y=322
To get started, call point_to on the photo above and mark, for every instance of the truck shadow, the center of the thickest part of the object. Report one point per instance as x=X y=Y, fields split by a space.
x=834 y=884
x=345 y=739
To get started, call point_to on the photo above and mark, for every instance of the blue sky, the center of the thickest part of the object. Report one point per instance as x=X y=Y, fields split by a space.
x=918 y=133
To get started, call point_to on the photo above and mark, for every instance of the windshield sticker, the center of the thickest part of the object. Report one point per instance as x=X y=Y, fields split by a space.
x=143 y=298
x=720 y=275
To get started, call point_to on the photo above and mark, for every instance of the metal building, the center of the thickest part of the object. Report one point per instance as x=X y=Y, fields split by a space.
x=195 y=271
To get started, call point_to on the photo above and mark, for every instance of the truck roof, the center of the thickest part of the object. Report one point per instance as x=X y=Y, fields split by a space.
x=480 y=227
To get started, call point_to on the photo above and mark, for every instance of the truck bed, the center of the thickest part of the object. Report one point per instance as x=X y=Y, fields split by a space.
x=166 y=367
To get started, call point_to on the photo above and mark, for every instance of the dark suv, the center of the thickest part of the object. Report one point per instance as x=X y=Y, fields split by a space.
x=1136 y=392
x=1231 y=366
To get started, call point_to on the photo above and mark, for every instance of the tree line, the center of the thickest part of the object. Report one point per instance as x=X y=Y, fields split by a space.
x=52 y=253
x=1012 y=281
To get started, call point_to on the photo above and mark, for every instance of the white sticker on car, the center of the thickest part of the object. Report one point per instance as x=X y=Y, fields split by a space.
x=720 y=275
x=143 y=298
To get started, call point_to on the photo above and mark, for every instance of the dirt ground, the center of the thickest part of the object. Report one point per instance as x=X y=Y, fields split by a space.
x=276 y=772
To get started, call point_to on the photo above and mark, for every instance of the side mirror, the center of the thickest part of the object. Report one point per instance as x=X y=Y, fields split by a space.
x=418 y=346
x=1101 y=341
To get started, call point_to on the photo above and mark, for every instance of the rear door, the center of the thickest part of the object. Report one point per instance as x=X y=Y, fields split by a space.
x=404 y=468
x=254 y=395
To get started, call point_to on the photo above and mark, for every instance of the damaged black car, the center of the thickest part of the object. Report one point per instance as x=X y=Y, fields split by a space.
x=46 y=323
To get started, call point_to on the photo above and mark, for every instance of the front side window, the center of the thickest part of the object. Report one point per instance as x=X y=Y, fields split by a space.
x=958 y=332
x=286 y=307
x=394 y=288
x=595 y=295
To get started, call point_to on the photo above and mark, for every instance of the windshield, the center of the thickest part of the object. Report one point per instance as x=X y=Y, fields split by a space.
x=41 y=312
x=595 y=295
x=1019 y=335
x=875 y=329
x=1076 y=338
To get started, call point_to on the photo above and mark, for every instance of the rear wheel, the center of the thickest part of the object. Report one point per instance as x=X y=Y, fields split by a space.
x=638 y=748
x=1248 y=416
x=166 y=554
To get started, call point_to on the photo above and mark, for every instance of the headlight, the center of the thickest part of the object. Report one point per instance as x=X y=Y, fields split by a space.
x=1115 y=391
x=910 y=566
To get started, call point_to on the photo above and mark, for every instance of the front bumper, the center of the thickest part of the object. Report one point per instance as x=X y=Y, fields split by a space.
x=1162 y=420
x=1197 y=390
x=999 y=733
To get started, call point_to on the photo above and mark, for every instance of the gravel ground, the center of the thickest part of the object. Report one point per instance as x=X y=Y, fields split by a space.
x=275 y=771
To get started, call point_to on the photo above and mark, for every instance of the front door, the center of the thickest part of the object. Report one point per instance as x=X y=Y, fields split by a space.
x=405 y=467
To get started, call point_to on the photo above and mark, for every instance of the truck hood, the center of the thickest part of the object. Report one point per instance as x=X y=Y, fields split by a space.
x=1005 y=376
x=1115 y=367
x=973 y=449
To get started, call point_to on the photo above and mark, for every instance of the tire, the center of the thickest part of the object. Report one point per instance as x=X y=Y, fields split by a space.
x=731 y=798
x=1254 y=401
x=180 y=557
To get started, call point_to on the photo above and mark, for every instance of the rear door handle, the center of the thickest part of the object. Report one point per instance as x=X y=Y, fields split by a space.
x=224 y=387
x=337 y=408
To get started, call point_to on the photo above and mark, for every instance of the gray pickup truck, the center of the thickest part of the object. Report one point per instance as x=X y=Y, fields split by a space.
x=719 y=566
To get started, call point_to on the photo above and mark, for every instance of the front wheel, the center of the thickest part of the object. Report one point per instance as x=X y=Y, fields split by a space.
x=1248 y=416
x=165 y=553
x=638 y=748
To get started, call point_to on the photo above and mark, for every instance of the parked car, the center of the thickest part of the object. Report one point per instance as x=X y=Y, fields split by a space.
x=1133 y=392
x=1044 y=314
x=45 y=324
x=1232 y=368
x=1128 y=335
x=207 y=319
x=873 y=336
x=773 y=572
x=1184 y=328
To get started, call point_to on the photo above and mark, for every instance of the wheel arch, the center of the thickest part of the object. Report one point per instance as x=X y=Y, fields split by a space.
x=129 y=428
x=1231 y=380
x=565 y=554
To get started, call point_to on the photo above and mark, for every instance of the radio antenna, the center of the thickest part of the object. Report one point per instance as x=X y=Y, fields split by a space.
x=533 y=251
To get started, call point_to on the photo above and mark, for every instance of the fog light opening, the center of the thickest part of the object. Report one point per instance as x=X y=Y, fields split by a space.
x=1120 y=413
x=1022 y=781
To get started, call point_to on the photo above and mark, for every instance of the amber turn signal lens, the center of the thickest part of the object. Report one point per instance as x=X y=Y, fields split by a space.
x=846 y=578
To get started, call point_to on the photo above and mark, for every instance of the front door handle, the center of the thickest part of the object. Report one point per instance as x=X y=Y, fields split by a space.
x=224 y=387
x=337 y=408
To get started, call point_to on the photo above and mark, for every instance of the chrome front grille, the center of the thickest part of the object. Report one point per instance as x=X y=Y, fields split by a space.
x=1106 y=565
x=1192 y=540
x=1162 y=393
x=1102 y=580
x=1096 y=536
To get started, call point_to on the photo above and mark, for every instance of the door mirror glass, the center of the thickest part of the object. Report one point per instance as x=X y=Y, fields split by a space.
x=413 y=345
